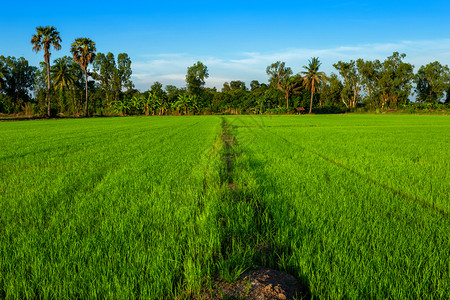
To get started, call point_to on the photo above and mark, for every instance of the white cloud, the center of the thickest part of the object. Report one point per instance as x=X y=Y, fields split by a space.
x=170 y=68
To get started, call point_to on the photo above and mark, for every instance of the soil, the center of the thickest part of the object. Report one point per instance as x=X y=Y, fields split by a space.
x=258 y=284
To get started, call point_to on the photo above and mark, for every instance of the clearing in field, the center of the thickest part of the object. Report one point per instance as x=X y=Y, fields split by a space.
x=353 y=206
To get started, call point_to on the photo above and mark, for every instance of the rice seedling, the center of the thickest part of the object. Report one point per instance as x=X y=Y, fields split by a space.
x=344 y=209
x=354 y=206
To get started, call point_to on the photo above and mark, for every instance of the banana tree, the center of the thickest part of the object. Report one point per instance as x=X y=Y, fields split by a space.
x=183 y=101
x=120 y=107
x=174 y=107
x=152 y=103
x=163 y=106
x=193 y=103
x=137 y=104
x=146 y=103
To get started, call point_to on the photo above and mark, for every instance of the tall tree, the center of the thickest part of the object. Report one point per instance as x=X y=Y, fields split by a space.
x=312 y=77
x=289 y=87
x=83 y=50
x=104 y=71
x=160 y=97
x=18 y=80
x=431 y=82
x=254 y=84
x=388 y=83
x=226 y=87
x=44 y=38
x=172 y=94
x=123 y=74
x=195 y=78
x=278 y=73
x=352 y=82
x=237 y=85
x=279 y=79
x=333 y=92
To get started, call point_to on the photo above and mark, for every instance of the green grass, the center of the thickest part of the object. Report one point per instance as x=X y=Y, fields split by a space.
x=114 y=208
x=355 y=206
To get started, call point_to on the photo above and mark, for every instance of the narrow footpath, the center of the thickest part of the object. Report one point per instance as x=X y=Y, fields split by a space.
x=246 y=249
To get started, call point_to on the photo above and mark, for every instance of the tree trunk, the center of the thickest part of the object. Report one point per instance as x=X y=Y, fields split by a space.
x=287 y=101
x=48 y=85
x=86 y=105
x=310 y=106
x=74 y=102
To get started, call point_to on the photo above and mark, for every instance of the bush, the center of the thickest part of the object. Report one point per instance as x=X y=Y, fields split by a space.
x=276 y=111
x=328 y=110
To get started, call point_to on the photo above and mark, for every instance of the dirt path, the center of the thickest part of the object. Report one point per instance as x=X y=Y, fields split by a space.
x=260 y=283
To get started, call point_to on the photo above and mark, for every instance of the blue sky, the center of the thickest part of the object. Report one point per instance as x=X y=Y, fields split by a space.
x=237 y=40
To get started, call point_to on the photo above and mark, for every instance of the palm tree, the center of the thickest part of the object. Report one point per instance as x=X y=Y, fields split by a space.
x=44 y=38
x=63 y=75
x=312 y=77
x=83 y=50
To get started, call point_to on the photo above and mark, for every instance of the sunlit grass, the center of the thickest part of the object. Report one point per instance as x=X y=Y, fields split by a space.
x=107 y=207
x=159 y=207
x=350 y=212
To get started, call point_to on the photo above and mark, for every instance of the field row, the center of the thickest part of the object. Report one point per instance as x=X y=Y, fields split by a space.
x=353 y=206
x=340 y=217
x=103 y=207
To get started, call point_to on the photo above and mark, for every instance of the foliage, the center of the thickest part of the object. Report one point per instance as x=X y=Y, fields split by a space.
x=350 y=94
x=312 y=78
x=63 y=73
x=195 y=78
x=333 y=92
x=278 y=73
x=83 y=51
x=360 y=86
x=123 y=73
x=44 y=39
x=187 y=103
x=388 y=83
x=17 y=82
x=113 y=79
x=104 y=67
x=432 y=80
x=120 y=106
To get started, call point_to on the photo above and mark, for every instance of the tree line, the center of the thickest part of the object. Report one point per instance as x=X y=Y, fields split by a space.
x=87 y=83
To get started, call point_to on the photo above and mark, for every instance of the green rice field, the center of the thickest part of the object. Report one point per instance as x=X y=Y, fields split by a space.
x=354 y=206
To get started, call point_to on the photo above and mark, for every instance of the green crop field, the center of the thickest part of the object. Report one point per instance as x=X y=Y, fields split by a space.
x=354 y=206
